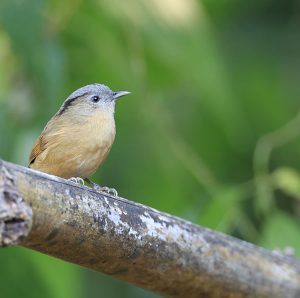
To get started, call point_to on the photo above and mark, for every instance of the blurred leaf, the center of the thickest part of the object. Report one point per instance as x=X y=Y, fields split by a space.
x=220 y=212
x=288 y=181
x=19 y=276
x=281 y=231
x=61 y=278
x=264 y=200
x=25 y=273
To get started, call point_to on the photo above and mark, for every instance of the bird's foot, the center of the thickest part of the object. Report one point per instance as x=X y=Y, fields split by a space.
x=110 y=191
x=77 y=180
x=95 y=186
x=287 y=251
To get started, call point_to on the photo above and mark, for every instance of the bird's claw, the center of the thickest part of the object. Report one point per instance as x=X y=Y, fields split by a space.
x=287 y=251
x=77 y=180
x=110 y=191
x=95 y=186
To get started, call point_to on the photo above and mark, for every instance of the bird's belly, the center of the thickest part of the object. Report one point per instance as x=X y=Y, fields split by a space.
x=88 y=161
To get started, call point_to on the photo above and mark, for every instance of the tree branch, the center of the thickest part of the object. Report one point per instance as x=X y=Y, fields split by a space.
x=135 y=243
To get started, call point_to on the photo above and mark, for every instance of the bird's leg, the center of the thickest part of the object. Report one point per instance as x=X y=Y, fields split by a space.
x=77 y=180
x=106 y=189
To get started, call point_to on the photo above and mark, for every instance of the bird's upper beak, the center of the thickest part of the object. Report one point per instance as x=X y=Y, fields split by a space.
x=118 y=94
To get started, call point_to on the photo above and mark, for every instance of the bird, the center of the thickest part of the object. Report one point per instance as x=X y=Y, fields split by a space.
x=78 y=138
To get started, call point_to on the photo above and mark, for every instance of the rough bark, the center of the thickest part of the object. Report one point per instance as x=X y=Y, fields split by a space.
x=15 y=214
x=136 y=243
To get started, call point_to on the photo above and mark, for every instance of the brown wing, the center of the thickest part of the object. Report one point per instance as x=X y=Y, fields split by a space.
x=38 y=148
x=40 y=144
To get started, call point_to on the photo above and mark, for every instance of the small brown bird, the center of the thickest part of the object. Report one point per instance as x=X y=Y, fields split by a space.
x=78 y=138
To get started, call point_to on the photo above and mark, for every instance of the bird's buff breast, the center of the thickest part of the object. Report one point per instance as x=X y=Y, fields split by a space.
x=78 y=152
x=93 y=146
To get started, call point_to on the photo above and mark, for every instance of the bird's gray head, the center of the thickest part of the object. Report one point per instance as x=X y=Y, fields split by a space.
x=90 y=98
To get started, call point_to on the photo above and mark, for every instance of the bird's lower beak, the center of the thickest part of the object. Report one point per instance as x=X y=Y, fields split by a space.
x=118 y=94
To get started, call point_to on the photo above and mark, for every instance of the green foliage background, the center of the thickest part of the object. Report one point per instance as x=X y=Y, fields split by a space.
x=210 y=132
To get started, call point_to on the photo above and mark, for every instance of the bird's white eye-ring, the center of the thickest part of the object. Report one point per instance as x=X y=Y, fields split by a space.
x=95 y=98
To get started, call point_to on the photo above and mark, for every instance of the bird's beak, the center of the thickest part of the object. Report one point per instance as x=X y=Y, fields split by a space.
x=118 y=94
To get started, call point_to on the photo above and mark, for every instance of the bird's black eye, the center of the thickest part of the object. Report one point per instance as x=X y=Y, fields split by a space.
x=95 y=98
